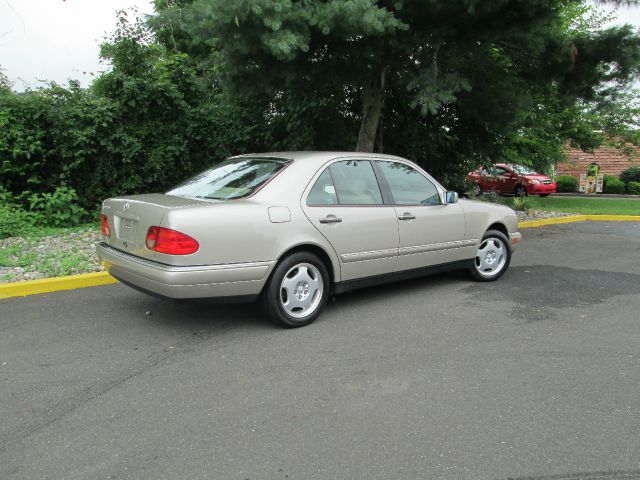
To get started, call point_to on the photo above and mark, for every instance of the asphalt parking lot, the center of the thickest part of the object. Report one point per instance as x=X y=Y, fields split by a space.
x=536 y=376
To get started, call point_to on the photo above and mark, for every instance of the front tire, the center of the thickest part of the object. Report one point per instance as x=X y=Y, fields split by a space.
x=297 y=290
x=492 y=257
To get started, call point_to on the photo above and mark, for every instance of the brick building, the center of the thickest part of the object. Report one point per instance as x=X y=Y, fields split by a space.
x=612 y=161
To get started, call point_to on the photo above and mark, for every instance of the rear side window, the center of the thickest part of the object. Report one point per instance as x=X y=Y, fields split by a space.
x=408 y=186
x=235 y=178
x=350 y=182
x=323 y=191
x=355 y=183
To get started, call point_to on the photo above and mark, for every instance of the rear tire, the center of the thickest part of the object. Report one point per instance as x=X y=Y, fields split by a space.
x=297 y=290
x=520 y=191
x=492 y=257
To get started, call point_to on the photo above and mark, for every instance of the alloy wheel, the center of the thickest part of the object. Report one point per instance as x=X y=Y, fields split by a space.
x=491 y=257
x=301 y=290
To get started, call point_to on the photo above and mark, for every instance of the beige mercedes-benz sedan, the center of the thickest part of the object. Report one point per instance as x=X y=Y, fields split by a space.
x=294 y=228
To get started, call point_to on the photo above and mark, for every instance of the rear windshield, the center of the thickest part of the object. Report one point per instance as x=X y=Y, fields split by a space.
x=235 y=178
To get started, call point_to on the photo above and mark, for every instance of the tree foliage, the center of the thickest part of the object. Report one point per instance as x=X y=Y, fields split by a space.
x=143 y=126
x=479 y=80
x=450 y=84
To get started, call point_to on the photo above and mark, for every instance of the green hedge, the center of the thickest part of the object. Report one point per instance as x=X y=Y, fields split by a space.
x=15 y=221
x=566 y=183
x=126 y=135
x=633 y=188
x=631 y=174
x=614 y=186
x=606 y=178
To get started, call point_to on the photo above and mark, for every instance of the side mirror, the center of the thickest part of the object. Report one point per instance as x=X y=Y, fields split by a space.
x=451 y=197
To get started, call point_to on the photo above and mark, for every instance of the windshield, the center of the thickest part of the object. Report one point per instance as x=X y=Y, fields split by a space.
x=520 y=170
x=233 y=178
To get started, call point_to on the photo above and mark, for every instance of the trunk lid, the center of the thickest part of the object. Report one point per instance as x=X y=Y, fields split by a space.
x=130 y=218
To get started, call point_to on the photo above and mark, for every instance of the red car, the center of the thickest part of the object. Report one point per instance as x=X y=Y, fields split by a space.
x=511 y=179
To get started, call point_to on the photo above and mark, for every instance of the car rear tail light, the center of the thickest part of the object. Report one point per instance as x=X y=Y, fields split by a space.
x=104 y=225
x=171 y=242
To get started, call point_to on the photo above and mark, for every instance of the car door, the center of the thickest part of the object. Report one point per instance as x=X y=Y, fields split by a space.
x=431 y=232
x=487 y=179
x=345 y=204
x=505 y=181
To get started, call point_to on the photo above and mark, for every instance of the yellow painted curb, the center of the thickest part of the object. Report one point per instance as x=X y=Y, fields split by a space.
x=614 y=218
x=46 y=285
x=578 y=218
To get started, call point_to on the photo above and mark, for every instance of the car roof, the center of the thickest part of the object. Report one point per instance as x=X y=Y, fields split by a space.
x=320 y=156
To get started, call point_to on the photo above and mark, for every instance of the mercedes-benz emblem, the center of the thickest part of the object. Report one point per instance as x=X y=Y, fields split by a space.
x=126 y=206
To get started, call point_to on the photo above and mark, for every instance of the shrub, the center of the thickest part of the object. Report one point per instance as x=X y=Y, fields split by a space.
x=58 y=209
x=456 y=183
x=631 y=174
x=606 y=178
x=633 y=188
x=566 y=183
x=15 y=222
x=493 y=197
x=614 y=186
x=520 y=203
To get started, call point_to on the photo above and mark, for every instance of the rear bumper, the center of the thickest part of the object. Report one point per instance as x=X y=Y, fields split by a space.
x=198 y=281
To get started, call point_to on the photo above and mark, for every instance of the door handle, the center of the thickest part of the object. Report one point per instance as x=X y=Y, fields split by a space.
x=330 y=219
x=407 y=216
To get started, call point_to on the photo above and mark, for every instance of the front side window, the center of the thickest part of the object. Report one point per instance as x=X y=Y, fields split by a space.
x=235 y=178
x=408 y=186
x=355 y=183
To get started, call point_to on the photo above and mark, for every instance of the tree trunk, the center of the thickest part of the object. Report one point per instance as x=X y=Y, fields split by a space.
x=379 y=139
x=372 y=97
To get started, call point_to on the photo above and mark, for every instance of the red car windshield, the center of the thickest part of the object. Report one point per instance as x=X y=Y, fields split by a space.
x=520 y=170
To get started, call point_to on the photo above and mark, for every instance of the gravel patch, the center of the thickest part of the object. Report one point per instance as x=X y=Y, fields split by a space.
x=75 y=252
x=50 y=256
x=541 y=214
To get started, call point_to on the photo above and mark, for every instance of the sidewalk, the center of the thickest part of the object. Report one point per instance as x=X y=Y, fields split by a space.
x=597 y=195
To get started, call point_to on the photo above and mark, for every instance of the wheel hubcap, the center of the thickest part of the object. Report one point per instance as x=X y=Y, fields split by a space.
x=491 y=257
x=301 y=290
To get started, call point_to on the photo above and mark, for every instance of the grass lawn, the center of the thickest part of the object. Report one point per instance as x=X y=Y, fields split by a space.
x=586 y=206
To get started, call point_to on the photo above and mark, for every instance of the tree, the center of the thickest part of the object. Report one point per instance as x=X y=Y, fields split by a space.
x=608 y=112
x=446 y=58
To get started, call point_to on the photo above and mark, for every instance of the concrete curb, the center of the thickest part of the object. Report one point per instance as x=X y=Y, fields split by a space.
x=46 y=285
